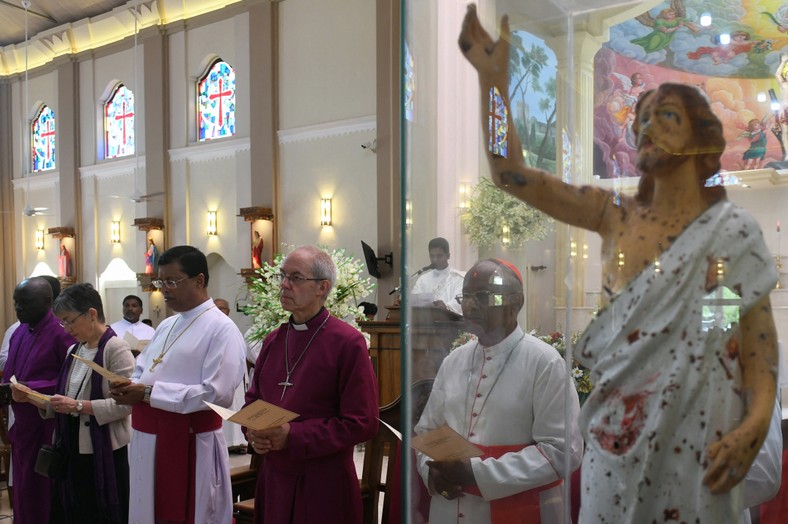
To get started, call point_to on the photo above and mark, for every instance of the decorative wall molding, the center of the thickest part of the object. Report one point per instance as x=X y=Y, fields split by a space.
x=101 y=30
x=112 y=168
x=328 y=129
x=47 y=180
x=212 y=150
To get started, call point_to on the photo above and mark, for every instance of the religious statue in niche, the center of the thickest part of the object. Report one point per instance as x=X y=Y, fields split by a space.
x=64 y=268
x=257 y=250
x=152 y=258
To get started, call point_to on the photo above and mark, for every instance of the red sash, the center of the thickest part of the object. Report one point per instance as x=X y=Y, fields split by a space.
x=175 y=456
x=520 y=508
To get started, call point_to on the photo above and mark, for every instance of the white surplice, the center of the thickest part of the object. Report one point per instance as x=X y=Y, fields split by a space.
x=206 y=362
x=519 y=400
x=140 y=330
x=444 y=284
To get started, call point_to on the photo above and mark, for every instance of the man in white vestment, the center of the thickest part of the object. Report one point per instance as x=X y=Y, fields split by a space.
x=504 y=392
x=179 y=466
x=443 y=282
x=132 y=311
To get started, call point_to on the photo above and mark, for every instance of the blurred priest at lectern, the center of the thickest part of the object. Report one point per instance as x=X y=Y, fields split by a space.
x=440 y=284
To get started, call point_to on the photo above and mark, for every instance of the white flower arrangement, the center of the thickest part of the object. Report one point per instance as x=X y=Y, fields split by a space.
x=349 y=289
x=490 y=208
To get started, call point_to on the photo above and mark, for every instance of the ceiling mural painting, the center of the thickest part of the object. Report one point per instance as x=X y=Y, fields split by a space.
x=731 y=38
x=728 y=48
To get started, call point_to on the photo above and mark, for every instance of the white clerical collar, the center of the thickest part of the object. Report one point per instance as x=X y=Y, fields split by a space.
x=504 y=345
x=196 y=310
x=317 y=319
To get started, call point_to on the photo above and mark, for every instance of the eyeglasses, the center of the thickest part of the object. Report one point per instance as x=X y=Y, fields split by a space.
x=66 y=324
x=295 y=279
x=169 y=284
x=484 y=298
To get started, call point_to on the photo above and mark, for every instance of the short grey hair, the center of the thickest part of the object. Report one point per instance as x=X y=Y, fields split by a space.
x=322 y=265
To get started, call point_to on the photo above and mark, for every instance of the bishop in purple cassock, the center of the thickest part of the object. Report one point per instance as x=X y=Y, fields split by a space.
x=36 y=353
x=317 y=366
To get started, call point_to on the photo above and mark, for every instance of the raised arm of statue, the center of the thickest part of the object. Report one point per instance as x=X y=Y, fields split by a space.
x=581 y=206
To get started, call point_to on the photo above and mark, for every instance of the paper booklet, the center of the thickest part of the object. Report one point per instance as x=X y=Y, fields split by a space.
x=39 y=399
x=134 y=343
x=443 y=443
x=104 y=372
x=257 y=415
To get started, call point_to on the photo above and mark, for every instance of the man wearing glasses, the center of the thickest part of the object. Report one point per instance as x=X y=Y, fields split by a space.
x=36 y=353
x=504 y=392
x=179 y=466
x=317 y=366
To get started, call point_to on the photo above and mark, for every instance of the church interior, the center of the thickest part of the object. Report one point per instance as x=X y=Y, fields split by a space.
x=247 y=127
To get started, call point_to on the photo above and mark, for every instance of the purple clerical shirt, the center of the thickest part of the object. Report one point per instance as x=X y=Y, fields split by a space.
x=35 y=356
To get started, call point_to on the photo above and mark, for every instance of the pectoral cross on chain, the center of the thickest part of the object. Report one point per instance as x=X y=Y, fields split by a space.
x=286 y=384
x=156 y=362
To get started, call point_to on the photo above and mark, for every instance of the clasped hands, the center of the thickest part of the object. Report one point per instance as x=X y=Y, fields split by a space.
x=271 y=439
x=127 y=393
x=448 y=478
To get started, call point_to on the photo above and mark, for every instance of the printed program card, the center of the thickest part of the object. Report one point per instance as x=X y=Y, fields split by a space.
x=443 y=444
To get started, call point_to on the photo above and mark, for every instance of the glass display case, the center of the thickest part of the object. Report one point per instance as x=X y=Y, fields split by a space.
x=477 y=350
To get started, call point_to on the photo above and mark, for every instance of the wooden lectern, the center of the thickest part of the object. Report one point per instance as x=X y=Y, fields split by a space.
x=432 y=331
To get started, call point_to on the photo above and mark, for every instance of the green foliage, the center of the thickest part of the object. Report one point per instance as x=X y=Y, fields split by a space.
x=489 y=208
x=581 y=376
x=342 y=302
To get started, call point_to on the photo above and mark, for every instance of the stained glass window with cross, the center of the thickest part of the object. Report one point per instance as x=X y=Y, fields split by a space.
x=216 y=102
x=43 y=140
x=119 y=125
x=499 y=124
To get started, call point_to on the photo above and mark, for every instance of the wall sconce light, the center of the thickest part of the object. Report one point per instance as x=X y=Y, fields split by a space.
x=585 y=251
x=325 y=211
x=40 y=239
x=212 y=230
x=408 y=214
x=464 y=193
x=572 y=249
x=114 y=235
x=505 y=238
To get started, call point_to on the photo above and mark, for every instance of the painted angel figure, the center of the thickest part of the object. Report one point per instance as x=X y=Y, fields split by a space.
x=755 y=132
x=781 y=115
x=621 y=104
x=667 y=22
x=780 y=18
x=741 y=43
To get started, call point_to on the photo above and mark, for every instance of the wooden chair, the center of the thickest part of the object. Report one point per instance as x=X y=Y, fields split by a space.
x=243 y=479
x=372 y=481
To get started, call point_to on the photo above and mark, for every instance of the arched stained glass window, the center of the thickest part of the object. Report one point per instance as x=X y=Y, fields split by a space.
x=119 y=125
x=216 y=102
x=499 y=124
x=43 y=140
x=410 y=83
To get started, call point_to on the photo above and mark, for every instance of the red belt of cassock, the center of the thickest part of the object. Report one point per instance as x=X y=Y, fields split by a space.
x=175 y=456
x=520 y=508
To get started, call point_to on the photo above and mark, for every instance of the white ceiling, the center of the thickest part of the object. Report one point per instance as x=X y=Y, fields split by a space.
x=46 y=14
